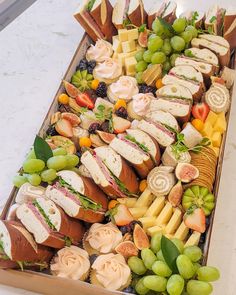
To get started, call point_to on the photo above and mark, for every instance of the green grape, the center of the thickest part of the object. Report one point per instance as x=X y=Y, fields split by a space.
x=177 y=43
x=175 y=285
x=166 y=48
x=166 y=66
x=193 y=252
x=139 y=55
x=208 y=274
x=152 y=36
x=179 y=25
x=160 y=256
x=31 y=154
x=59 y=152
x=72 y=161
x=155 y=283
x=196 y=266
x=148 y=257
x=173 y=58
x=18 y=180
x=49 y=175
x=161 y=269
x=185 y=266
x=156 y=242
x=187 y=36
x=179 y=244
x=57 y=162
x=33 y=165
x=141 y=66
x=140 y=288
x=155 y=44
x=158 y=58
x=34 y=179
x=195 y=287
x=158 y=27
x=193 y=30
x=136 y=265
x=139 y=78
x=147 y=56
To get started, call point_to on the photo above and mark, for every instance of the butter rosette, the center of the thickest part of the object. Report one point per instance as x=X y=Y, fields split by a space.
x=108 y=71
x=100 y=51
x=111 y=272
x=124 y=88
x=72 y=263
x=102 y=238
x=218 y=98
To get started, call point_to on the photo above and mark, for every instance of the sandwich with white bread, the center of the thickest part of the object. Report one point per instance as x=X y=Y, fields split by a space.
x=164 y=118
x=230 y=26
x=78 y=196
x=214 y=19
x=136 y=13
x=194 y=17
x=49 y=224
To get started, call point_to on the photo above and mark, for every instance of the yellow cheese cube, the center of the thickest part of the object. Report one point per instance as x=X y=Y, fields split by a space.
x=138 y=212
x=147 y=221
x=122 y=56
x=130 y=64
x=181 y=232
x=174 y=222
x=207 y=130
x=155 y=229
x=145 y=199
x=193 y=240
x=116 y=44
x=132 y=34
x=132 y=74
x=129 y=202
x=211 y=118
x=156 y=207
x=128 y=46
x=165 y=214
x=220 y=125
x=123 y=35
x=216 y=150
x=216 y=139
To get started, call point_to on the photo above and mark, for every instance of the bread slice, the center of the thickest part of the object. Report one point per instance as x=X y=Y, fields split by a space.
x=136 y=13
x=199 y=17
x=214 y=19
x=164 y=118
x=230 y=27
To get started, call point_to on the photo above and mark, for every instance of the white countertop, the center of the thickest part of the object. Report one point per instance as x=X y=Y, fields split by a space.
x=35 y=51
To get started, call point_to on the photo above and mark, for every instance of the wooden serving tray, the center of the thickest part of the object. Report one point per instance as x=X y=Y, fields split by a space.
x=47 y=284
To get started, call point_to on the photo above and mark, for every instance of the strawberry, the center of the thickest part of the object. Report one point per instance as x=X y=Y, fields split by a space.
x=72 y=118
x=122 y=215
x=195 y=219
x=84 y=100
x=200 y=111
x=64 y=128
x=120 y=124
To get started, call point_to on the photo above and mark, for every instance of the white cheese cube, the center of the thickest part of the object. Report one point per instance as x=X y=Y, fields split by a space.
x=128 y=46
x=147 y=221
x=116 y=44
x=132 y=34
x=138 y=212
x=130 y=64
x=155 y=229
x=123 y=35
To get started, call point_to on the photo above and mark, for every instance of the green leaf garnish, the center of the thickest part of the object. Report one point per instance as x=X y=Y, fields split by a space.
x=142 y=28
x=141 y=145
x=166 y=25
x=126 y=22
x=68 y=241
x=42 y=149
x=170 y=253
x=48 y=221
x=90 y=5
x=166 y=6
x=213 y=18
x=194 y=18
x=83 y=110
x=2 y=252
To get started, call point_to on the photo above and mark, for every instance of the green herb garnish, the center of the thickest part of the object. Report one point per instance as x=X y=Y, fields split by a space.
x=142 y=28
x=104 y=114
x=68 y=241
x=83 y=110
x=141 y=145
x=213 y=18
x=194 y=18
x=42 y=149
x=22 y=264
x=126 y=22
x=90 y=5
x=2 y=252
x=166 y=25
x=48 y=221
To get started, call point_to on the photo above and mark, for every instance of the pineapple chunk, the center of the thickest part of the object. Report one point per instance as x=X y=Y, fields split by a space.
x=216 y=150
x=155 y=229
x=220 y=124
x=207 y=130
x=132 y=34
x=211 y=118
x=128 y=46
x=156 y=207
x=130 y=64
x=138 y=212
x=145 y=199
x=174 y=222
x=123 y=35
x=216 y=139
x=181 y=232
x=165 y=214
x=148 y=221
x=132 y=73
x=193 y=240
x=129 y=202
x=116 y=44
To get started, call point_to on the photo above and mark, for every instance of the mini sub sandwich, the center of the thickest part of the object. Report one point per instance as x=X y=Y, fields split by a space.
x=188 y=77
x=110 y=172
x=134 y=152
x=18 y=248
x=195 y=18
x=175 y=99
x=229 y=32
x=49 y=224
x=214 y=19
x=78 y=196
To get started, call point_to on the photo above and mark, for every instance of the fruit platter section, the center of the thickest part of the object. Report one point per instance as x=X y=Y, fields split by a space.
x=120 y=185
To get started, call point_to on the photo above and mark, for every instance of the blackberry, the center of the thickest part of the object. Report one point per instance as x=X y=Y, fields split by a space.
x=83 y=65
x=79 y=153
x=101 y=91
x=90 y=70
x=143 y=88
x=122 y=112
x=94 y=127
x=51 y=131
x=125 y=229
x=105 y=127
x=132 y=224
x=92 y=258
x=92 y=64
x=129 y=290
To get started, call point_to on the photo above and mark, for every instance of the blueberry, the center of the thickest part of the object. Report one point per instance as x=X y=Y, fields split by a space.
x=129 y=290
x=51 y=131
x=92 y=64
x=92 y=258
x=90 y=70
x=125 y=229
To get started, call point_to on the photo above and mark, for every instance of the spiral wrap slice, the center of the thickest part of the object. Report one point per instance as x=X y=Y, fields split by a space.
x=218 y=98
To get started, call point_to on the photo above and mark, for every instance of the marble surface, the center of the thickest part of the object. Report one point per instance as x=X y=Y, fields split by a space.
x=35 y=51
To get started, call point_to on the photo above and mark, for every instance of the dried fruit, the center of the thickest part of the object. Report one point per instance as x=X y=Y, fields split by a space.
x=94 y=84
x=96 y=140
x=120 y=124
x=61 y=141
x=72 y=118
x=112 y=204
x=94 y=127
x=141 y=240
x=186 y=172
x=71 y=90
x=198 y=124
x=105 y=136
x=142 y=185
x=175 y=195
x=127 y=249
x=122 y=112
x=64 y=128
x=120 y=103
x=159 y=84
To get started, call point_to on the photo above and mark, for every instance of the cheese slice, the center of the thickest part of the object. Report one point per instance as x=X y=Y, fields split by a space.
x=165 y=214
x=181 y=232
x=156 y=207
x=147 y=221
x=145 y=199
x=174 y=222
x=129 y=202
x=122 y=56
x=138 y=212
x=193 y=240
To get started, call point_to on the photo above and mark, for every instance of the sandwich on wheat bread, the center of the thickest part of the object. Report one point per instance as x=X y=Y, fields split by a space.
x=78 y=196
x=109 y=175
x=49 y=224
x=18 y=248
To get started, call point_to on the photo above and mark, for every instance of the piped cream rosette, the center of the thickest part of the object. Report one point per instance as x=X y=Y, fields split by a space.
x=107 y=71
x=138 y=107
x=124 y=88
x=161 y=180
x=218 y=98
x=100 y=51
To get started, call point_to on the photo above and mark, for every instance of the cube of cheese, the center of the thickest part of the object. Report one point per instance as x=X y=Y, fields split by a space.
x=220 y=125
x=130 y=64
x=128 y=202
x=147 y=221
x=132 y=34
x=116 y=44
x=122 y=57
x=145 y=199
x=211 y=118
x=216 y=139
x=181 y=232
x=207 y=130
x=156 y=207
x=165 y=214
x=138 y=212
x=193 y=240
x=174 y=222
x=128 y=46
x=132 y=74
x=155 y=229
x=216 y=150
x=123 y=35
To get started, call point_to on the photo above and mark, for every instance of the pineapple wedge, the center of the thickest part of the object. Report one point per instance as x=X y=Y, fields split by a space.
x=145 y=199
x=156 y=207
